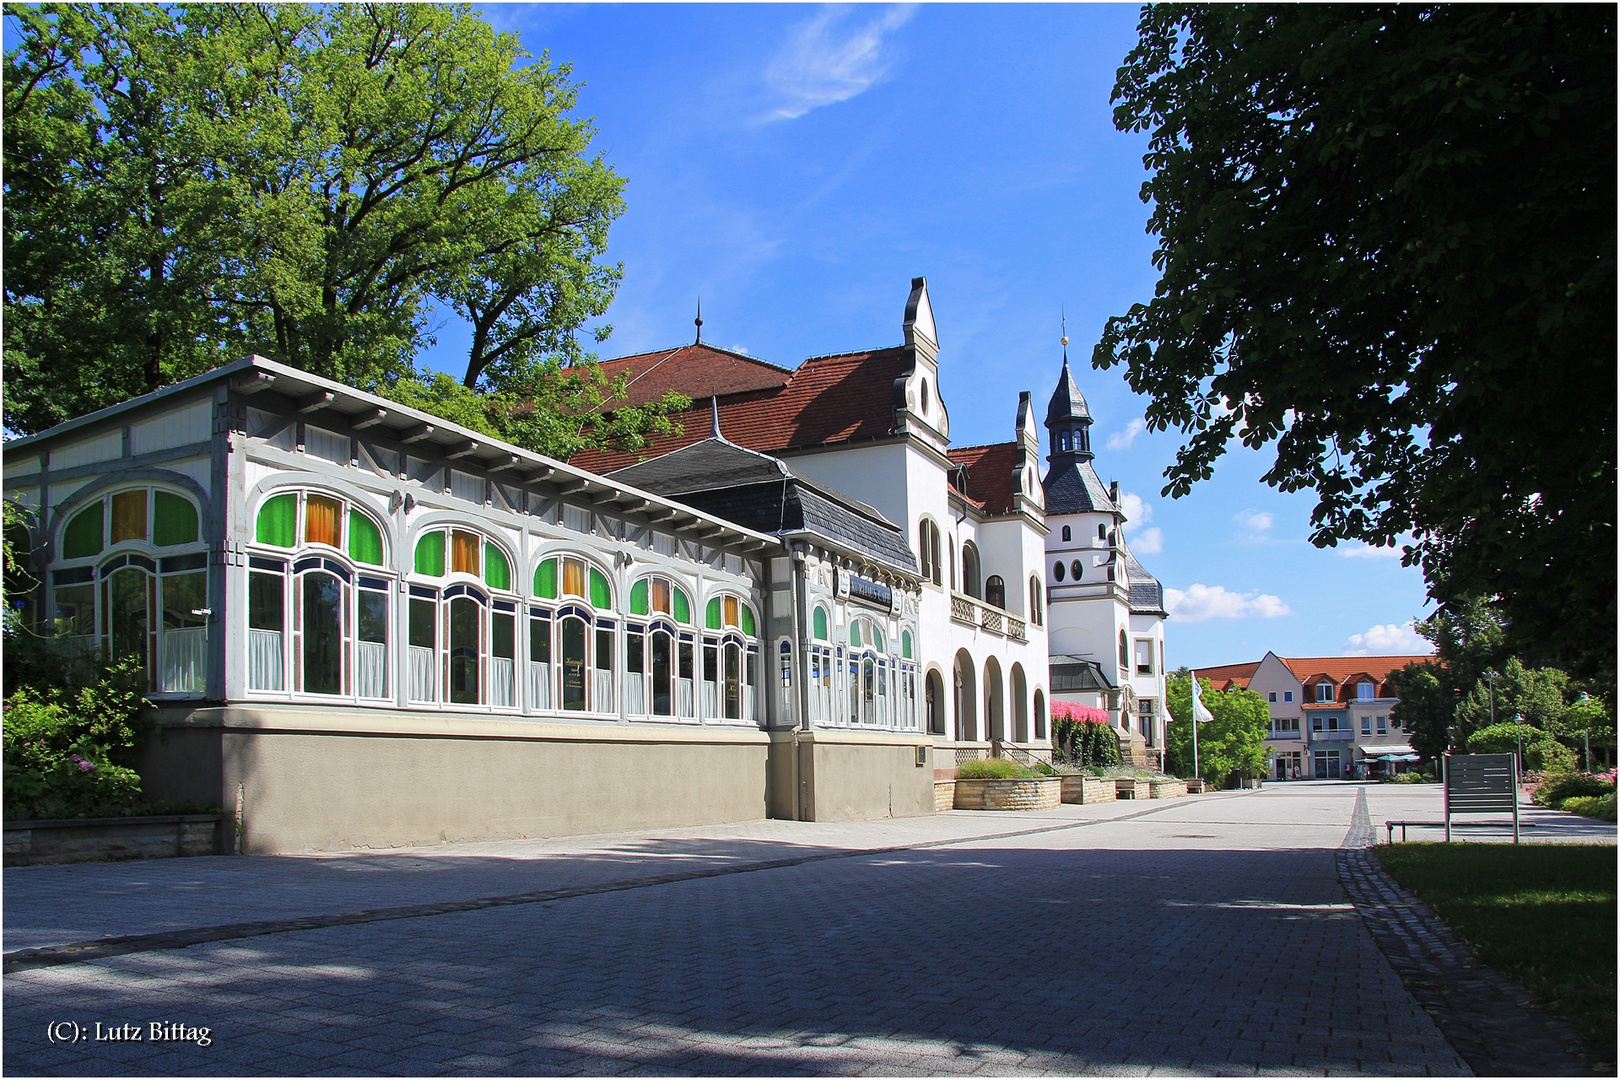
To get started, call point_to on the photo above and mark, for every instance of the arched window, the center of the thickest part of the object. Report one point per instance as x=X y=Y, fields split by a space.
x=571 y=643
x=132 y=578
x=822 y=655
x=1040 y=714
x=818 y=619
x=933 y=550
x=970 y=570
x=880 y=688
x=1037 y=605
x=995 y=591
x=730 y=659
x=1066 y=535
x=1124 y=653
x=928 y=550
x=1102 y=532
x=463 y=633
x=321 y=617
x=660 y=656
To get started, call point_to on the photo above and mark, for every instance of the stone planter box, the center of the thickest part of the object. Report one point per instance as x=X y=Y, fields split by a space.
x=1028 y=793
x=944 y=795
x=1166 y=789
x=74 y=840
x=1088 y=789
x=1132 y=787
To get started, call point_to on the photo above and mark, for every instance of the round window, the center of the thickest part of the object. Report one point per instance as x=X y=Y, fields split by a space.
x=1074 y=567
x=1057 y=571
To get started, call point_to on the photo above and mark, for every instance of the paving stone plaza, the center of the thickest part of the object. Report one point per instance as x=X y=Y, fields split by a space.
x=1203 y=935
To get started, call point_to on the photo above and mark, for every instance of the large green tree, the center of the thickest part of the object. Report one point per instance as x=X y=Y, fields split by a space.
x=188 y=183
x=1387 y=246
x=1233 y=745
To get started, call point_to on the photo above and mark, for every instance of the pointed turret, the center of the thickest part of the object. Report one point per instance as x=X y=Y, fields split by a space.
x=1068 y=421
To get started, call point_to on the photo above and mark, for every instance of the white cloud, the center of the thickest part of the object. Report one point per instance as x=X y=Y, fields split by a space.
x=1148 y=542
x=1359 y=550
x=1135 y=509
x=741 y=349
x=1389 y=639
x=1121 y=440
x=829 y=61
x=1200 y=602
x=1256 y=521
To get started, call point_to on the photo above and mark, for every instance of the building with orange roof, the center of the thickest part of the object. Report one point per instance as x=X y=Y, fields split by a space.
x=1331 y=716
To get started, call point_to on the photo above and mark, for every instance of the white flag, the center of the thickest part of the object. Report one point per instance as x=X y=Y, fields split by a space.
x=1201 y=714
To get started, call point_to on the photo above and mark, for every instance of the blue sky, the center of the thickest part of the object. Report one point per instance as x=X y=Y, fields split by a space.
x=796 y=166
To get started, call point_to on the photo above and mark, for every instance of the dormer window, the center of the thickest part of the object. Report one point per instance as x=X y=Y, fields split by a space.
x=1365 y=691
x=1324 y=691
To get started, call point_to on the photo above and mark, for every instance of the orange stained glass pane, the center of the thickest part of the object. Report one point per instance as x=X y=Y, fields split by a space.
x=129 y=516
x=660 y=595
x=573 y=577
x=463 y=552
x=323 y=521
x=731 y=611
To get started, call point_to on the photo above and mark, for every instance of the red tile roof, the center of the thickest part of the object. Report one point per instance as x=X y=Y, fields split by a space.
x=827 y=399
x=697 y=371
x=1225 y=676
x=989 y=474
x=1343 y=669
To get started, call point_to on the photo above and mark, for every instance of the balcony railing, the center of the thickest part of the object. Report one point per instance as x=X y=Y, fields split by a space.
x=1341 y=735
x=969 y=611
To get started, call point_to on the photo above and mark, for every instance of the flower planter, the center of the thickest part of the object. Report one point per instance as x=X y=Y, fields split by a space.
x=1132 y=787
x=1088 y=789
x=1166 y=789
x=74 y=840
x=1025 y=793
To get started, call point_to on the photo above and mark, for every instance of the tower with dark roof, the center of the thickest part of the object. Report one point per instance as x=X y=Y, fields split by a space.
x=1106 y=634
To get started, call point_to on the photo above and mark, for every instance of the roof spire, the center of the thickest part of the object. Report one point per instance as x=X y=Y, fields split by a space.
x=1064 y=319
x=698 y=322
x=714 y=416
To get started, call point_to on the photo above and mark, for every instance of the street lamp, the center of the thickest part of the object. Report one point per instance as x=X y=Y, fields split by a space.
x=1491 y=677
x=1518 y=734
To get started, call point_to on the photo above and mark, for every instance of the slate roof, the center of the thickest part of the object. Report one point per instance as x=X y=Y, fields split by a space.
x=989 y=475
x=732 y=482
x=1077 y=673
x=1074 y=488
x=1067 y=402
x=827 y=399
x=1147 y=595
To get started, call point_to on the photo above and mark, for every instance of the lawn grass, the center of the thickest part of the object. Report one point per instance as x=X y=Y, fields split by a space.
x=1543 y=914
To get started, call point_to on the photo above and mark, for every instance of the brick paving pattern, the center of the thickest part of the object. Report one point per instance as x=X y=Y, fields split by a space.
x=1209 y=935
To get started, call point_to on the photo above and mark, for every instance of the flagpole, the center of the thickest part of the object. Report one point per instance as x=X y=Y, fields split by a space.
x=1196 y=773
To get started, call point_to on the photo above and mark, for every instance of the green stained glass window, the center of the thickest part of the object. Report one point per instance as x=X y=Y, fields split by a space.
x=278 y=521
x=748 y=620
x=83 y=534
x=877 y=639
x=683 y=607
x=854 y=633
x=545 y=579
x=819 y=623
x=497 y=571
x=712 y=615
x=430 y=555
x=601 y=597
x=905 y=644
x=638 y=597
x=365 y=539
x=174 y=520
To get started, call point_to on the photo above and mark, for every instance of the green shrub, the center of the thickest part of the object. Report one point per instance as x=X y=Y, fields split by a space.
x=1556 y=789
x=63 y=748
x=1408 y=778
x=1542 y=752
x=993 y=769
x=1084 y=742
x=1592 y=806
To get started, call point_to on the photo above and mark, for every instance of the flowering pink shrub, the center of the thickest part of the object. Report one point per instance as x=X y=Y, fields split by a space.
x=1085 y=714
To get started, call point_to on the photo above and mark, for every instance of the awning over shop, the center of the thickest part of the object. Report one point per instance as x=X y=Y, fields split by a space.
x=1394 y=749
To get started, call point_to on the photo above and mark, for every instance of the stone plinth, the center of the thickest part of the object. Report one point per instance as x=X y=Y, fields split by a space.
x=1025 y=793
x=74 y=840
x=1167 y=789
x=1088 y=789
x=944 y=795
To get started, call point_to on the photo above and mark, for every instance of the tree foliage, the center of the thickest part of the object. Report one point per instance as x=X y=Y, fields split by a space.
x=1232 y=746
x=1387 y=243
x=187 y=184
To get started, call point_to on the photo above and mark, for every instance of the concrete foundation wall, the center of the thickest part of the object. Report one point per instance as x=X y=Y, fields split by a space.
x=856 y=776
x=341 y=779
